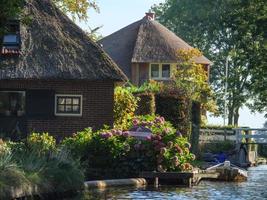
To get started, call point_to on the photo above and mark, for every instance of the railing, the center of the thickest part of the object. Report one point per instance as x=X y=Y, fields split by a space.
x=219 y=135
x=251 y=135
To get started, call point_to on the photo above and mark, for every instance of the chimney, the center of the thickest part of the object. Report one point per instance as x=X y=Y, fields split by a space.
x=150 y=15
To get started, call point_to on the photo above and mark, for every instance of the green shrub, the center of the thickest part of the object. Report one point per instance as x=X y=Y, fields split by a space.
x=217 y=147
x=175 y=108
x=78 y=143
x=41 y=143
x=146 y=104
x=11 y=175
x=148 y=87
x=38 y=163
x=125 y=105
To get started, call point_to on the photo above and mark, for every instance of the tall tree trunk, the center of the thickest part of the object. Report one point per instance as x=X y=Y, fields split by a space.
x=230 y=114
x=236 y=116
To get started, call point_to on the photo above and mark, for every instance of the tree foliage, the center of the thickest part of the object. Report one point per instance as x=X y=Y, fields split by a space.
x=78 y=9
x=125 y=105
x=192 y=79
x=222 y=28
x=9 y=9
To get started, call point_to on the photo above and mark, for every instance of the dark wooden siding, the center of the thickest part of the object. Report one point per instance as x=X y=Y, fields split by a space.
x=40 y=104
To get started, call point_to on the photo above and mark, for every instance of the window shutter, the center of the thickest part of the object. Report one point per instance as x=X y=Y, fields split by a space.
x=40 y=103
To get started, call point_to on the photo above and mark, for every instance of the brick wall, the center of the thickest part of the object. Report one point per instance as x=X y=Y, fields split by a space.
x=97 y=105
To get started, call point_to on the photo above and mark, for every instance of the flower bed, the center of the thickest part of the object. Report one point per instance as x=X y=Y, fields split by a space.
x=113 y=153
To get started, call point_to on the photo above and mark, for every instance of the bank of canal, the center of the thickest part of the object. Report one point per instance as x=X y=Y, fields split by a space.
x=255 y=188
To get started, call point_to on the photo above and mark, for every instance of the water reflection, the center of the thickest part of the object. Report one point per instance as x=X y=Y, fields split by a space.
x=255 y=188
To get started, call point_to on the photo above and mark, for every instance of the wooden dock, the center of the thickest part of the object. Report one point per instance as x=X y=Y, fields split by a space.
x=187 y=179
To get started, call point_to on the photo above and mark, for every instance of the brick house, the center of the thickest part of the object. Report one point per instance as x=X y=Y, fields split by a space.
x=53 y=78
x=146 y=50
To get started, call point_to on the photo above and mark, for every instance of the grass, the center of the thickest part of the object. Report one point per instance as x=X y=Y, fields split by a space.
x=51 y=172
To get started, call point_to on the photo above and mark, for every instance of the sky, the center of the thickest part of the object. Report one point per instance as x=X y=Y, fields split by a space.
x=116 y=14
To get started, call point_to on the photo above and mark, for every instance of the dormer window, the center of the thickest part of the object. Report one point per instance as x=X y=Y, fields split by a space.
x=11 y=40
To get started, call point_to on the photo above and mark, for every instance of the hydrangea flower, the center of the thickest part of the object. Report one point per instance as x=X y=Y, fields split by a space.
x=126 y=133
x=118 y=132
x=170 y=144
x=163 y=151
x=135 y=122
x=159 y=120
x=178 y=134
x=148 y=138
x=179 y=149
x=106 y=135
x=158 y=137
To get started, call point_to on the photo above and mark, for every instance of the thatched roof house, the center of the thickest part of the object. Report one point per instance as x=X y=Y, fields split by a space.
x=52 y=76
x=144 y=41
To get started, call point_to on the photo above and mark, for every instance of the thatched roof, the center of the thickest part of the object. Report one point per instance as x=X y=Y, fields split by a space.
x=53 y=47
x=145 y=41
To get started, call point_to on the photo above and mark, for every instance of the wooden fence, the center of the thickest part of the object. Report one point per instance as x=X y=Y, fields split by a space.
x=216 y=135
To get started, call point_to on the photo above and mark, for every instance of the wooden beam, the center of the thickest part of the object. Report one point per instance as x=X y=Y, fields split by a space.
x=167 y=175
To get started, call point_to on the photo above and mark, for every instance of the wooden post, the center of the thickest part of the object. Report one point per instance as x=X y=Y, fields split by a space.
x=189 y=182
x=156 y=182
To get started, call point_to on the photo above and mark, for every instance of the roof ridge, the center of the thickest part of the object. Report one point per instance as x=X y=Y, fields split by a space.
x=137 y=36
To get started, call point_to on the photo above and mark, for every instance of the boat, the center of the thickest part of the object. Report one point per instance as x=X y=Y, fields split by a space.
x=229 y=172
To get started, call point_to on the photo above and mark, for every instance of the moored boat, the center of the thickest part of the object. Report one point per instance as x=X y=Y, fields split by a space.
x=229 y=172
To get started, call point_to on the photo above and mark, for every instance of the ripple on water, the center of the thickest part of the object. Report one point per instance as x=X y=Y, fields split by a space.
x=255 y=188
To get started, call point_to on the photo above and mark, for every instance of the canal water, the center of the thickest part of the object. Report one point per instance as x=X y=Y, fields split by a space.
x=255 y=188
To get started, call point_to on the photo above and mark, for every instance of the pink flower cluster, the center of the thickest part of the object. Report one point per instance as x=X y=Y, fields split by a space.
x=106 y=135
x=114 y=132
x=178 y=149
x=158 y=144
x=166 y=131
x=160 y=120
x=175 y=161
x=136 y=122
x=126 y=134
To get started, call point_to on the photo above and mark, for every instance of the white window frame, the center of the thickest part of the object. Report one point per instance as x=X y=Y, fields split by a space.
x=69 y=114
x=160 y=71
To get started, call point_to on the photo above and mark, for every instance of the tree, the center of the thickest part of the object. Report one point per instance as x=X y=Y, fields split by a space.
x=9 y=9
x=222 y=28
x=192 y=79
x=77 y=8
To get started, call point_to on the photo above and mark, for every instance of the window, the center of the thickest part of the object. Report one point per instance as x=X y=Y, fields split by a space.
x=160 y=71
x=11 y=40
x=166 y=71
x=68 y=105
x=154 y=71
x=12 y=103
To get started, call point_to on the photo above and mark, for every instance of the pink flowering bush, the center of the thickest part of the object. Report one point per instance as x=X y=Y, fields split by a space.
x=169 y=149
x=114 y=153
